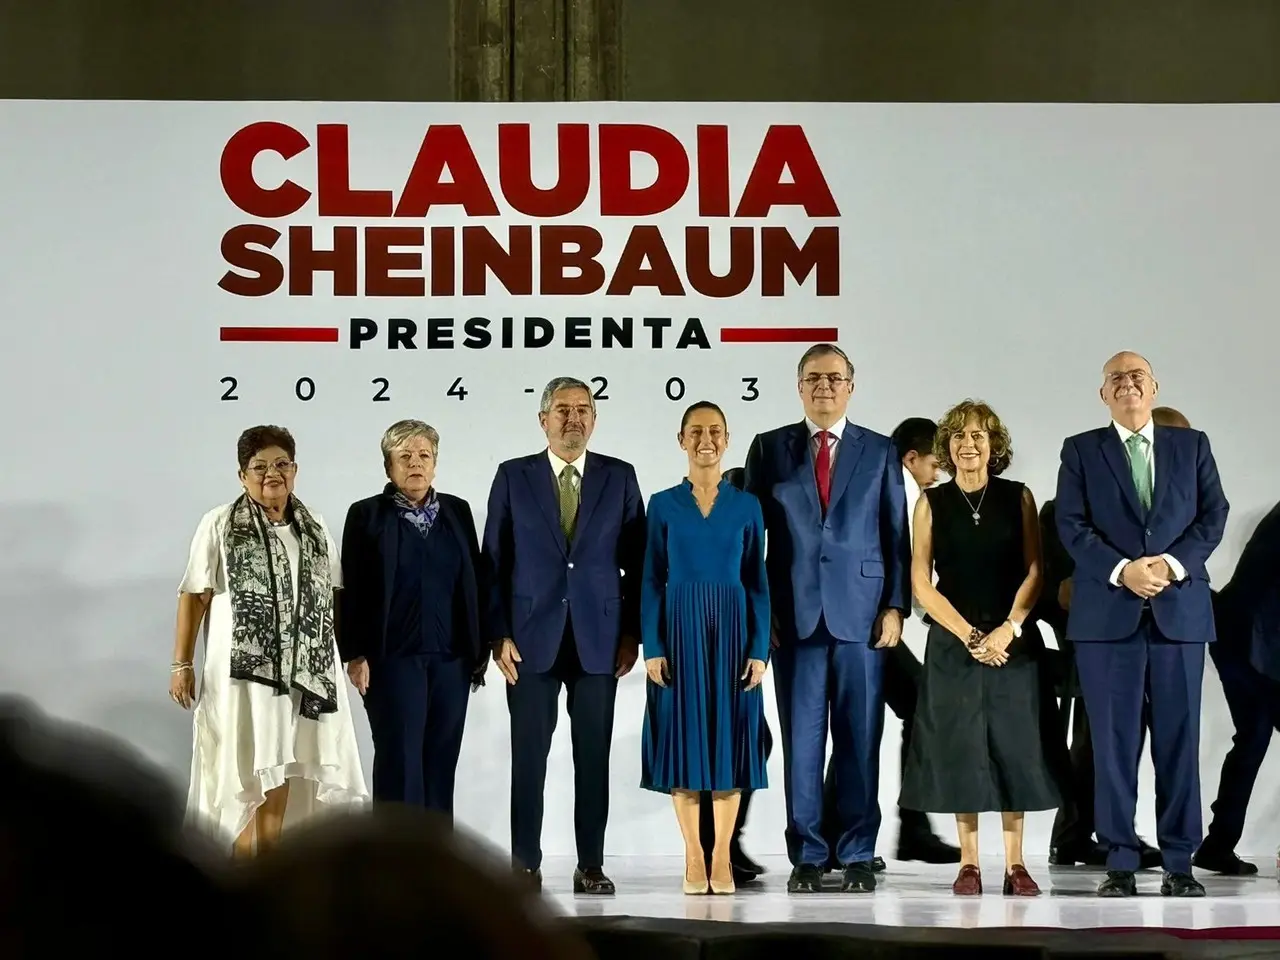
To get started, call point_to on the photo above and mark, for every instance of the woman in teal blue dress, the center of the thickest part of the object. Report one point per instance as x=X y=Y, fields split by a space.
x=704 y=606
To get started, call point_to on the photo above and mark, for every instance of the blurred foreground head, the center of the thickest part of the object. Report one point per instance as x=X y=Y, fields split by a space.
x=92 y=852
x=396 y=882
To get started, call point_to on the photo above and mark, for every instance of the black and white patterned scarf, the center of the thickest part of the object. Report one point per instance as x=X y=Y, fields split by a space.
x=277 y=640
x=421 y=517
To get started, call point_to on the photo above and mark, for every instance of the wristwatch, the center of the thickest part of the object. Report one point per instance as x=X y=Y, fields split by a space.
x=1017 y=628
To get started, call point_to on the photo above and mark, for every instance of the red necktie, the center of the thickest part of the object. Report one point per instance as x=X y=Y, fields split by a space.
x=822 y=469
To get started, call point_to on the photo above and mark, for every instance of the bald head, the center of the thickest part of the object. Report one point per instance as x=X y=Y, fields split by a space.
x=1129 y=389
x=1127 y=360
x=1169 y=417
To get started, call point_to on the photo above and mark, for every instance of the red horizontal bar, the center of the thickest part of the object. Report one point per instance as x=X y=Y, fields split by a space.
x=279 y=335
x=778 y=334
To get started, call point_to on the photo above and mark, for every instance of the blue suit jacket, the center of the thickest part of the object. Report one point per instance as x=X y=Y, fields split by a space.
x=537 y=581
x=370 y=544
x=848 y=566
x=1248 y=607
x=1101 y=522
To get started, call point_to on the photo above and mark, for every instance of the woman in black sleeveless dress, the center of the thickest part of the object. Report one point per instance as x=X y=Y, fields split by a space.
x=985 y=721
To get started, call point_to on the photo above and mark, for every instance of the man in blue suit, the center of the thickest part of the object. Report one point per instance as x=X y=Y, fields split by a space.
x=839 y=557
x=563 y=549
x=1247 y=656
x=1140 y=509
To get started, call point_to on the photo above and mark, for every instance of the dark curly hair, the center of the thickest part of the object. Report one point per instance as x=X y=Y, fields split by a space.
x=259 y=438
x=953 y=422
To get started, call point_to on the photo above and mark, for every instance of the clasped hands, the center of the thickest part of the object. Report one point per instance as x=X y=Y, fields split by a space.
x=993 y=651
x=1147 y=576
x=660 y=672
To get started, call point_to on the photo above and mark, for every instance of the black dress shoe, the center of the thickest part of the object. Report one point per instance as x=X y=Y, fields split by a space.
x=593 y=882
x=927 y=849
x=1119 y=883
x=1149 y=856
x=533 y=877
x=805 y=878
x=744 y=864
x=1223 y=862
x=1068 y=855
x=859 y=878
x=1180 y=885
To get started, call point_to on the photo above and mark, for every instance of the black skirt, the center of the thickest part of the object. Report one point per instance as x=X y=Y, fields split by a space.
x=984 y=738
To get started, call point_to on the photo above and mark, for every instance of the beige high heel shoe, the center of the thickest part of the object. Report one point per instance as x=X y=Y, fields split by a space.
x=698 y=885
x=721 y=886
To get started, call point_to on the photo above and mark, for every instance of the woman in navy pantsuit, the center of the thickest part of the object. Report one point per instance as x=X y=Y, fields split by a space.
x=704 y=607
x=410 y=621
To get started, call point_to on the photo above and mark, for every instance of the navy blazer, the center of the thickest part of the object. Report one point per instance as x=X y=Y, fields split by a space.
x=850 y=565
x=370 y=545
x=1248 y=607
x=1101 y=522
x=536 y=581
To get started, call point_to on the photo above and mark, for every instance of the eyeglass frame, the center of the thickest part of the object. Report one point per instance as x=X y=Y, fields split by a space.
x=262 y=471
x=832 y=380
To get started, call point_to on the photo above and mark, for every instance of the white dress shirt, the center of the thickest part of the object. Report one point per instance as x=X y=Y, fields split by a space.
x=913 y=495
x=1148 y=433
x=558 y=465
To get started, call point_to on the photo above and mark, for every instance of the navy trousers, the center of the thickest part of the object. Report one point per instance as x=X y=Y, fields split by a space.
x=417 y=709
x=823 y=684
x=1114 y=677
x=534 y=705
x=1254 y=702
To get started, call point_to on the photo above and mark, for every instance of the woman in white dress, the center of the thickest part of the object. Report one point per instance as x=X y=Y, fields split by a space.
x=274 y=741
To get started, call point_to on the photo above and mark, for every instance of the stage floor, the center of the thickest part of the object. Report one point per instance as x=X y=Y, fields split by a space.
x=919 y=895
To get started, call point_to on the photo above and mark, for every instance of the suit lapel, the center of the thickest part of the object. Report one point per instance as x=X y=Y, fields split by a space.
x=1118 y=461
x=848 y=452
x=1164 y=454
x=593 y=483
x=801 y=452
x=542 y=484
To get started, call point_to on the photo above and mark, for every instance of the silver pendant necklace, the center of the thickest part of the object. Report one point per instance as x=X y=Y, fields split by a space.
x=977 y=515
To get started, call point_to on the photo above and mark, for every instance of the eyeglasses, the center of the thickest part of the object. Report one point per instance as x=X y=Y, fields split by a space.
x=832 y=380
x=1137 y=376
x=281 y=467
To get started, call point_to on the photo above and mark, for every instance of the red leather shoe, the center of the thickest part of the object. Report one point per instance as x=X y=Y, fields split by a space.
x=1018 y=883
x=968 y=882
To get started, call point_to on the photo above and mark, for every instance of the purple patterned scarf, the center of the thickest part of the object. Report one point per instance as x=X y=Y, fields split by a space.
x=421 y=518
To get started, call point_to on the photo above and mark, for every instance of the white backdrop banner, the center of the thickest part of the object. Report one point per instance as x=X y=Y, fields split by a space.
x=171 y=273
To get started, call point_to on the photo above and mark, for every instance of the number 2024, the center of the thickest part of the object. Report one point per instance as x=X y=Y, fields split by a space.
x=305 y=389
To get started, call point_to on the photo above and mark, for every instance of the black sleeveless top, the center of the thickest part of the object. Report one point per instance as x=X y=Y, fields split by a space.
x=980 y=565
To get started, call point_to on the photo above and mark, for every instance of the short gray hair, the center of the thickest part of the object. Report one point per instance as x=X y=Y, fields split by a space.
x=401 y=432
x=563 y=383
x=823 y=350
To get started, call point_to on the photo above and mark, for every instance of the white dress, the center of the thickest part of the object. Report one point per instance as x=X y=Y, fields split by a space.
x=248 y=739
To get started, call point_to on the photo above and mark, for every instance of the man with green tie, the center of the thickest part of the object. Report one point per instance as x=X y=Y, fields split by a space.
x=1140 y=509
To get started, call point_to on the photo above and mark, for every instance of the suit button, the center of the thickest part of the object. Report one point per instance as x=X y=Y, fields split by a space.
x=571 y=566
x=824 y=559
x=565 y=600
x=1148 y=533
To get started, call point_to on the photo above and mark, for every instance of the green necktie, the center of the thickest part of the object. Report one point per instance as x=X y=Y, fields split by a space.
x=1140 y=468
x=568 y=500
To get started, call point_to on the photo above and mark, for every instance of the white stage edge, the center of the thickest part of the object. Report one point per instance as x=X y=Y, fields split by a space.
x=919 y=895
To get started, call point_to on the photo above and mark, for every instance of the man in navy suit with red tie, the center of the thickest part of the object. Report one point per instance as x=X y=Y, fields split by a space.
x=838 y=560
x=1140 y=509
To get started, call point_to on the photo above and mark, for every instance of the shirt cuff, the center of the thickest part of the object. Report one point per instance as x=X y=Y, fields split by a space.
x=1115 y=574
x=1179 y=571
